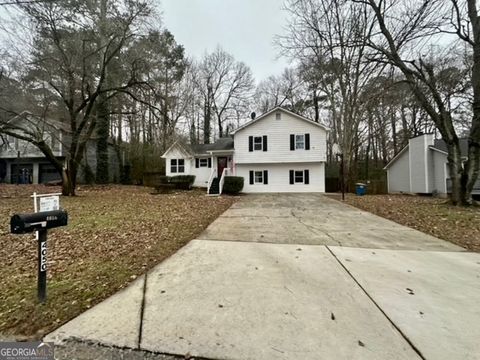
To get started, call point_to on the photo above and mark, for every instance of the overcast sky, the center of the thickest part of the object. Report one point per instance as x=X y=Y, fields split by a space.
x=244 y=28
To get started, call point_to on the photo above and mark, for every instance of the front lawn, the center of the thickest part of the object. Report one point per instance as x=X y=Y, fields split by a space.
x=433 y=216
x=115 y=234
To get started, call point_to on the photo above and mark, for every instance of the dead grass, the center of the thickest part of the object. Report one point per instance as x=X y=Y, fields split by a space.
x=432 y=216
x=115 y=234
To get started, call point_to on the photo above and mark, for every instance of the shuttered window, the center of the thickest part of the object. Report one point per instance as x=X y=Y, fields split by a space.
x=257 y=143
x=258 y=177
x=299 y=177
x=299 y=142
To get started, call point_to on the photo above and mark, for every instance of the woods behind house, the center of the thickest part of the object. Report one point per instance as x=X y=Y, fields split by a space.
x=377 y=72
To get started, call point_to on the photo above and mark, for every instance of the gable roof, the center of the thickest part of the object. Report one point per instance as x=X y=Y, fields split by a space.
x=395 y=157
x=279 y=108
x=438 y=145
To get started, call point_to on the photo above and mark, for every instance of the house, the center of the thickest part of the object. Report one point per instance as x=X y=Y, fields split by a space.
x=23 y=163
x=421 y=167
x=278 y=151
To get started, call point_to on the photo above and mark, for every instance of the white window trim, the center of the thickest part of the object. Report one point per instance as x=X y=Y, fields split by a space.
x=297 y=142
x=261 y=143
x=177 y=166
x=255 y=177
x=295 y=177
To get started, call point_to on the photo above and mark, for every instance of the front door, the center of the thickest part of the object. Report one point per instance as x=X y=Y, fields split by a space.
x=222 y=164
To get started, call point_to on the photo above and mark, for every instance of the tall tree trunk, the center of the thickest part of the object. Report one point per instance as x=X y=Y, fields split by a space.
x=103 y=114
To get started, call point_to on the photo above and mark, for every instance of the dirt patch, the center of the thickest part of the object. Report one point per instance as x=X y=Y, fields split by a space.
x=433 y=216
x=115 y=234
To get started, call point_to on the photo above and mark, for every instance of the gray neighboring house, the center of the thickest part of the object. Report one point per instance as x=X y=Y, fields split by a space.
x=421 y=167
x=22 y=162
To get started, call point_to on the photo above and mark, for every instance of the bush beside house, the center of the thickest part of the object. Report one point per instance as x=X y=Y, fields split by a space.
x=232 y=184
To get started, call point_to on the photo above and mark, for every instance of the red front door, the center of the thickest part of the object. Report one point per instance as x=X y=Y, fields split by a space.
x=222 y=164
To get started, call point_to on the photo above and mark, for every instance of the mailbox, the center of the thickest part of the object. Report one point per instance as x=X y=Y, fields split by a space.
x=27 y=223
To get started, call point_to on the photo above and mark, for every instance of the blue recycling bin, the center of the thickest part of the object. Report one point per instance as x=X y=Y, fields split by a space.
x=360 y=189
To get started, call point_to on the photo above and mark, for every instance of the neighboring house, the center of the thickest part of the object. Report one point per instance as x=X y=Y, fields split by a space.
x=421 y=167
x=278 y=151
x=22 y=162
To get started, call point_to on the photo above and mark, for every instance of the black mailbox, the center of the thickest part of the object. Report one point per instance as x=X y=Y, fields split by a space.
x=27 y=223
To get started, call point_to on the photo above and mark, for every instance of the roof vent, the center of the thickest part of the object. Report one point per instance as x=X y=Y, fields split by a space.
x=253 y=115
x=278 y=115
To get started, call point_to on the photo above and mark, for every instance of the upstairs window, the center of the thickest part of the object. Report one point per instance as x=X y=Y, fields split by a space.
x=299 y=142
x=177 y=166
x=257 y=143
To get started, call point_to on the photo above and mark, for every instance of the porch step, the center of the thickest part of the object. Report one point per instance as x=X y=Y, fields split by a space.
x=215 y=187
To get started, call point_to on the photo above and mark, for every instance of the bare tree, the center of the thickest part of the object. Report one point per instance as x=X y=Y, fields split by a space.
x=329 y=38
x=70 y=62
x=225 y=85
x=404 y=28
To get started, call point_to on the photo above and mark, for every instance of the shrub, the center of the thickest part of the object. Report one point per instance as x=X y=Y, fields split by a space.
x=184 y=182
x=233 y=184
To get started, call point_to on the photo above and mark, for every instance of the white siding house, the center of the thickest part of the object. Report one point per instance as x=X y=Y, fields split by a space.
x=276 y=152
x=421 y=167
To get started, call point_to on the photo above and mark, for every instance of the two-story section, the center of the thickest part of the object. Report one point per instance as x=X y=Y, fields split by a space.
x=281 y=152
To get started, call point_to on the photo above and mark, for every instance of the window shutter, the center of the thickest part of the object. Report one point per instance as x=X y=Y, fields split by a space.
x=292 y=177
x=250 y=143
x=264 y=142
x=307 y=141
x=251 y=177
x=209 y=162
x=306 y=177
x=265 y=177
x=292 y=141
x=197 y=162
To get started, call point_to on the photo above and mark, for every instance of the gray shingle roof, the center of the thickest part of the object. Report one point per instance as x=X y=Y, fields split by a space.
x=442 y=146
x=225 y=143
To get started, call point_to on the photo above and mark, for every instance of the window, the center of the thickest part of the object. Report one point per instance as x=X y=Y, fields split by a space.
x=278 y=116
x=177 y=165
x=259 y=177
x=203 y=163
x=299 y=142
x=257 y=143
x=298 y=176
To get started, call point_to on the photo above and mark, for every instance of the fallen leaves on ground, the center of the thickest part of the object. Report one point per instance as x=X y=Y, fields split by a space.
x=434 y=216
x=115 y=234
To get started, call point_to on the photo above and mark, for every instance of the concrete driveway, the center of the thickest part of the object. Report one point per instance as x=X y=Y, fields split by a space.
x=298 y=276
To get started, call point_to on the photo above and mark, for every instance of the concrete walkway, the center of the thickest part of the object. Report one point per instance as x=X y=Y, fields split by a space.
x=298 y=277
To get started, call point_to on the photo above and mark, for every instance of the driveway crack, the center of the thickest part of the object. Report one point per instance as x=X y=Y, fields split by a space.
x=314 y=229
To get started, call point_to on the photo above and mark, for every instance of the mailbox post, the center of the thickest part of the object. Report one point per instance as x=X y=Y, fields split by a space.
x=42 y=266
x=41 y=222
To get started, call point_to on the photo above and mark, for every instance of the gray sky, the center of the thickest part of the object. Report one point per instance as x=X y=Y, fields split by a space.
x=244 y=28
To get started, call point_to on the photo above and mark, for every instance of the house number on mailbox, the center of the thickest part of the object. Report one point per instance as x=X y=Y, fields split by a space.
x=43 y=256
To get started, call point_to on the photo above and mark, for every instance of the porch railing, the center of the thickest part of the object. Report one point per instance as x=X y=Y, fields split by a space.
x=210 y=179
x=226 y=172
